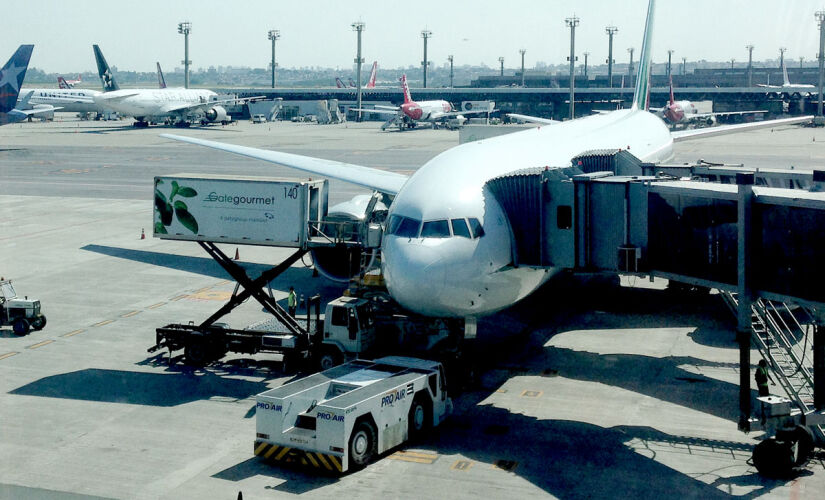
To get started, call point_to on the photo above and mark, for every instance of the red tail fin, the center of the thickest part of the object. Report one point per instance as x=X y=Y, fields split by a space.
x=671 y=91
x=406 y=89
x=339 y=83
x=371 y=81
x=61 y=83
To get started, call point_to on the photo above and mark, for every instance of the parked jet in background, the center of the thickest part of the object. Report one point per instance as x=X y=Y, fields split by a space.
x=179 y=106
x=370 y=81
x=161 y=79
x=684 y=112
x=410 y=113
x=11 y=79
x=788 y=88
x=447 y=248
x=62 y=83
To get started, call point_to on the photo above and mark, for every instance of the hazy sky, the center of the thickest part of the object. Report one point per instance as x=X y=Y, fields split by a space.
x=133 y=35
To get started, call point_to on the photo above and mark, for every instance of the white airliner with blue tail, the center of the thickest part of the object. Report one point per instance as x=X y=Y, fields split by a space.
x=446 y=250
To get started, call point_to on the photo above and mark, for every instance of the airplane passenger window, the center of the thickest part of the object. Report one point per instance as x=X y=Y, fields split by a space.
x=475 y=225
x=392 y=225
x=460 y=228
x=408 y=228
x=436 y=229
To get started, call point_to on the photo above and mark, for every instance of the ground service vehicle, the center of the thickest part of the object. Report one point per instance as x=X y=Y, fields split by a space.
x=341 y=418
x=22 y=314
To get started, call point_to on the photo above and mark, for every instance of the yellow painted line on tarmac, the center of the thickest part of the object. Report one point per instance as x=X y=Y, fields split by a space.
x=72 y=333
x=222 y=283
x=40 y=344
x=130 y=314
x=7 y=355
x=415 y=457
x=104 y=322
x=461 y=465
x=531 y=394
x=179 y=297
x=201 y=290
x=155 y=306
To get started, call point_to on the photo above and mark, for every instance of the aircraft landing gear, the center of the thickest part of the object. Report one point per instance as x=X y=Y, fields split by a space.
x=140 y=124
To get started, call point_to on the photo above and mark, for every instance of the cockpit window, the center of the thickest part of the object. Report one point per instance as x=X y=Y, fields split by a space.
x=408 y=228
x=460 y=228
x=475 y=225
x=392 y=225
x=436 y=229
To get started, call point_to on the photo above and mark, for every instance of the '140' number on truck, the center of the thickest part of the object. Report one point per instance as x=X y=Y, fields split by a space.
x=291 y=192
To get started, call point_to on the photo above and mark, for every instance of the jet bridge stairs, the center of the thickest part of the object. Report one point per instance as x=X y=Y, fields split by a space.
x=755 y=233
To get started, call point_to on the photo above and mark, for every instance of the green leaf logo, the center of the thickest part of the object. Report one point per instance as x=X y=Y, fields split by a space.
x=168 y=209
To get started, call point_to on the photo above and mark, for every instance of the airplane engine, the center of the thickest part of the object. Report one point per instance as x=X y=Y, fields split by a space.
x=216 y=114
x=344 y=223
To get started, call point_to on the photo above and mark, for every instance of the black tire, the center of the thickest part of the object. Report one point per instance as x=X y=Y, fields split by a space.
x=21 y=326
x=420 y=418
x=39 y=323
x=773 y=458
x=803 y=440
x=362 y=444
x=329 y=357
x=196 y=354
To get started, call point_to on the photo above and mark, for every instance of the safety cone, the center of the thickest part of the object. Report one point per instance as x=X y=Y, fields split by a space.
x=237 y=256
x=142 y=234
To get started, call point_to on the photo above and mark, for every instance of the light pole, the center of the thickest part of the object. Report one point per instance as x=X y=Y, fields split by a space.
x=801 y=62
x=184 y=29
x=610 y=30
x=450 y=58
x=669 y=67
x=750 y=64
x=684 y=65
x=425 y=34
x=732 y=61
x=782 y=57
x=571 y=23
x=820 y=17
x=522 y=51
x=586 y=54
x=501 y=64
x=358 y=27
x=273 y=35
x=630 y=66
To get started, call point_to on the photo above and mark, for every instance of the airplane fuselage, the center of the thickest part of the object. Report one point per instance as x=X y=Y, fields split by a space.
x=426 y=110
x=453 y=275
x=678 y=111
x=153 y=103
x=70 y=100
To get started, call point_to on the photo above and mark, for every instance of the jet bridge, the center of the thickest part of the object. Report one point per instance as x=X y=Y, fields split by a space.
x=755 y=235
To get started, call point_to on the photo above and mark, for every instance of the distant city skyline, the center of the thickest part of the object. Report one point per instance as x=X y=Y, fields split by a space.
x=318 y=33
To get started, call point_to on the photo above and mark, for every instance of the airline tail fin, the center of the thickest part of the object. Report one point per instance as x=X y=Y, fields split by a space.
x=672 y=100
x=339 y=83
x=371 y=81
x=787 y=81
x=105 y=73
x=161 y=79
x=62 y=83
x=643 y=76
x=406 y=89
x=351 y=83
x=11 y=77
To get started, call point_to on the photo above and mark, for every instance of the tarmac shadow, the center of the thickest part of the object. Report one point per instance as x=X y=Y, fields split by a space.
x=139 y=388
x=294 y=479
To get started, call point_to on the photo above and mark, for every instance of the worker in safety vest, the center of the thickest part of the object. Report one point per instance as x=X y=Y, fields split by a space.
x=292 y=301
x=762 y=376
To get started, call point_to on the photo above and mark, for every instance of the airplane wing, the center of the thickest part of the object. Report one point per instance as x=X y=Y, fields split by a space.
x=685 y=135
x=723 y=113
x=372 y=178
x=37 y=111
x=533 y=119
x=202 y=106
x=377 y=111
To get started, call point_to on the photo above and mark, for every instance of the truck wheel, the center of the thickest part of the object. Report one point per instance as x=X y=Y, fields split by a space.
x=362 y=444
x=39 y=323
x=773 y=458
x=419 y=419
x=329 y=358
x=20 y=326
x=196 y=354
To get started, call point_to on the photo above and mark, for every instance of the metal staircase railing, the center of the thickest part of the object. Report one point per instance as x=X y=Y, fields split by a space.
x=784 y=343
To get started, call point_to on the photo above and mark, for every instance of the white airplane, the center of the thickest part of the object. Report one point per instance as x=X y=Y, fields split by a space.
x=71 y=100
x=684 y=112
x=180 y=106
x=447 y=248
x=787 y=87
x=413 y=112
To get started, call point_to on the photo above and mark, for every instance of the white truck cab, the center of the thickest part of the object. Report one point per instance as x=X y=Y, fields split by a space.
x=343 y=417
x=22 y=314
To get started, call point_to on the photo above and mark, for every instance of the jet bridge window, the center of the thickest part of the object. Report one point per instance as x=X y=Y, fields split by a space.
x=408 y=228
x=460 y=228
x=475 y=225
x=436 y=229
x=564 y=217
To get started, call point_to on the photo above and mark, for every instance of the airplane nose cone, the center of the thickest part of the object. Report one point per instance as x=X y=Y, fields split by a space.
x=416 y=275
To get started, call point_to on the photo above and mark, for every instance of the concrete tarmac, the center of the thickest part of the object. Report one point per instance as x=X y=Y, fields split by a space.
x=588 y=389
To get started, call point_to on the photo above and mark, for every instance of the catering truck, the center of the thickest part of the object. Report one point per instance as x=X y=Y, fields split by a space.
x=342 y=418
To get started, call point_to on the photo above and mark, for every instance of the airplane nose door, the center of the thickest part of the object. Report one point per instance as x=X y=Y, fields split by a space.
x=415 y=274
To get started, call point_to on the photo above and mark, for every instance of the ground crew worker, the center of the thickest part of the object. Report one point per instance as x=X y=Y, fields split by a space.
x=762 y=376
x=292 y=301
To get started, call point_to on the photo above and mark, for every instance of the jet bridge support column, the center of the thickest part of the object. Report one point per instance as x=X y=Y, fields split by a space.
x=743 y=314
x=819 y=365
